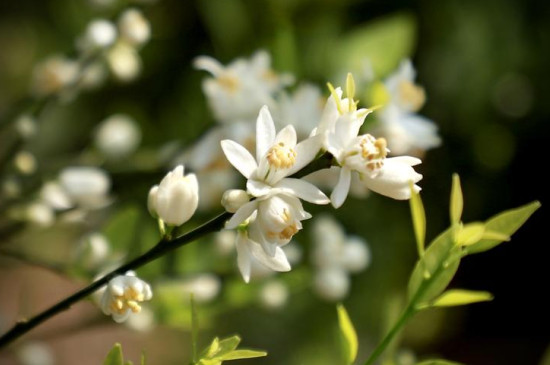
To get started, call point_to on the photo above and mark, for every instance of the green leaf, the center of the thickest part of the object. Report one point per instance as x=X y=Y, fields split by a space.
x=470 y=234
x=457 y=202
x=228 y=344
x=242 y=354
x=419 y=219
x=383 y=43
x=143 y=360
x=433 y=272
x=506 y=224
x=455 y=297
x=114 y=357
x=438 y=362
x=348 y=333
x=213 y=349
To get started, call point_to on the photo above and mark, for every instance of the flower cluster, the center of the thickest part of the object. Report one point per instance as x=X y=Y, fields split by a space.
x=123 y=296
x=275 y=213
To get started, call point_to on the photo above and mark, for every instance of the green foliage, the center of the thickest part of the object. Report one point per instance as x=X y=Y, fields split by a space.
x=455 y=297
x=225 y=350
x=419 y=220
x=457 y=202
x=506 y=224
x=383 y=43
x=114 y=357
x=194 y=328
x=438 y=362
x=433 y=272
x=348 y=334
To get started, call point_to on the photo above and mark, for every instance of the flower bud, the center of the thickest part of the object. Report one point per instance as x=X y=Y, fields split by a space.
x=134 y=28
x=176 y=198
x=233 y=199
x=100 y=33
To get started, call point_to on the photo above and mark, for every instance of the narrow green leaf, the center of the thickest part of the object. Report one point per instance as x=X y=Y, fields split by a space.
x=348 y=333
x=242 y=354
x=438 y=362
x=455 y=297
x=470 y=234
x=228 y=344
x=142 y=362
x=194 y=328
x=457 y=202
x=419 y=219
x=506 y=224
x=213 y=349
x=433 y=272
x=114 y=357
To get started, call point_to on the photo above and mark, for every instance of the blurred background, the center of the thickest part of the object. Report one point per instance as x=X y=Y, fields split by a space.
x=483 y=66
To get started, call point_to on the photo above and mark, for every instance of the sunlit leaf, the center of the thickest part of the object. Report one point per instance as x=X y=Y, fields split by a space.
x=438 y=362
x=228 y=344
x=419 y=220
x=243 y=354
x=470 y=234
x=506 y=224
x=383 y=43
x=114 y=357
x=457 y=202
x=349 y=335
x=455 y=297
x=433 y=272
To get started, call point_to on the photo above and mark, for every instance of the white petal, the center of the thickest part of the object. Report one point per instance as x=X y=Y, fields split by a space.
x=341 y=189
x=265 y=132
x=394 y=177
x=209 y=64
x=303 y=190
x=305 y=153
x=407 y=160
x=257 y=188
x=242 y=214
x=287 y=135
x=243 y=256
x=239 y=157
x=277 y=262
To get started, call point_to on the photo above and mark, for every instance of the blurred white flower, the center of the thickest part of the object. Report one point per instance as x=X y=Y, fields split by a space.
x=124 y=61
x=87 y=187
x=225 y=241
x=26 y=126
x=405 y=130
x=118 y=136
x=53 y=75
x=55 y=196
x=123 y=296
x=302 y=109
x=25 y=162
x=205 y=287
x=100 y=33
x=92 y=250
x=176 y=198
x=143 y=321
x=40 y=214
x=335 y=255
x=93 y=76
x=274 y=294
x=35 y=353
x=236 y=92
x=134 y=27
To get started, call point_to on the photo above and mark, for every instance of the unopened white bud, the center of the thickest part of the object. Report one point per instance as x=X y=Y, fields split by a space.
x=134 y=28
x=233 y=199
x=40 y=214
x=118 y=136
x=101 y=33
x=176 y=198
x=86 y=186
x=25 y=162
x=124 y=62
x=331 y=284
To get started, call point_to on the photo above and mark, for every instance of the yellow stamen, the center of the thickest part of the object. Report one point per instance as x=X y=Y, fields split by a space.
x=412 y=95
x=281 y=156
x=228 y=82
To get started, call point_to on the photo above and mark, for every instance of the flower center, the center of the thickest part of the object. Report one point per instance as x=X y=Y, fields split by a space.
x=373 y=151
x=129 y=300
x=286 y=234
x=411 y=95
x=229 y=82
x=281 y=156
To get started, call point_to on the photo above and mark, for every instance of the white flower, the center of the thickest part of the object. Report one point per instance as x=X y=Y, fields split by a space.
x=35 y=353
x=26 y=126
x=302 y=109
x=176 y=198
x=86 y=187
x=92 y=250
x=53 y=75
x=274 y=294
x=100 y=33
x=123 y=296
x=331 y=284
x=124 y=61
x=405 y=130
x=134 y=27
x=118 y=136
x=277 y=156
x=237 y=91
x=249 y=250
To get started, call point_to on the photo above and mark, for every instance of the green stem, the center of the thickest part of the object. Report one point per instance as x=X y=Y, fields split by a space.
x=162 y=248
x=405 y=316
